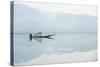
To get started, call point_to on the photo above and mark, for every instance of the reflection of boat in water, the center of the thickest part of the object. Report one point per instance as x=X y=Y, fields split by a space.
x=38 y=36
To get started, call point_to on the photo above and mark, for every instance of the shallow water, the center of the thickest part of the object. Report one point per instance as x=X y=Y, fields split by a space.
x=25 y=50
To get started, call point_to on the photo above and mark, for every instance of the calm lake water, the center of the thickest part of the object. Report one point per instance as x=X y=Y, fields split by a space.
x=25 y=50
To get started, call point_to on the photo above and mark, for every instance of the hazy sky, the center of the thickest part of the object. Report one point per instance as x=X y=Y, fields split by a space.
x=67 y=8
x=49 y=17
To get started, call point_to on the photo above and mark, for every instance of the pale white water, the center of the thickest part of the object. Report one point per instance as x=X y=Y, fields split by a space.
x=69 y=43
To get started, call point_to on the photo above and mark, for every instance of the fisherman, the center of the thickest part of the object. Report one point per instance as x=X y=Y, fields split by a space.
x=30 y=36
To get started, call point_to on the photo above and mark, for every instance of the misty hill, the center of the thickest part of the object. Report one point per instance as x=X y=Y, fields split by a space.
x=27 y=19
